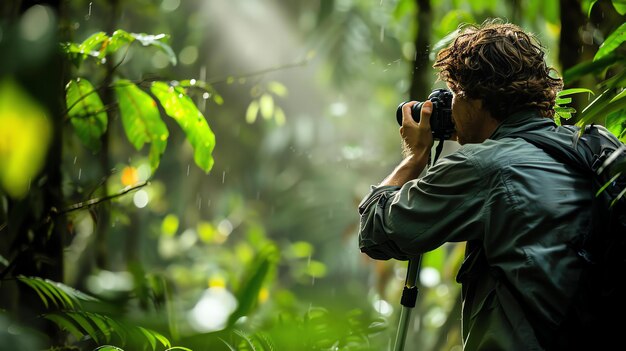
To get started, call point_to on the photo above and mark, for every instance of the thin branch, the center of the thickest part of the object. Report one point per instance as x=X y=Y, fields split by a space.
x=93 y=202
x=95 y=113
x=82 y=97
x=263 y=71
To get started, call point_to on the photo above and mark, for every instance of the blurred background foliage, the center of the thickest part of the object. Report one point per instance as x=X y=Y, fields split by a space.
x=184 y=175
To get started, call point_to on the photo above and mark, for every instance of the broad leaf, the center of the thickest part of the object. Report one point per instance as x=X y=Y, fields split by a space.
x=590 y=67
x=587 y=5
x=156 y=40
x=597 y=106
x=93 y=45
x=119 y=39
x=616 y=124
x=611 y=43
x=141 y=120
x=86 y=112
x=180 y=107
x=620 y=6
x=574 y=91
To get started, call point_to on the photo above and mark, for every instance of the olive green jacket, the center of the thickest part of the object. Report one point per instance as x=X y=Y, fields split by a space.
x=519 y=210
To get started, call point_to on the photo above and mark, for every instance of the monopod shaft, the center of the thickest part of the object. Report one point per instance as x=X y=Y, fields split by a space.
x=409 y=298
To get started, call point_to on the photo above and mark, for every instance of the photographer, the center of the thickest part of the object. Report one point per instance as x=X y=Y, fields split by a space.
x=519 y=210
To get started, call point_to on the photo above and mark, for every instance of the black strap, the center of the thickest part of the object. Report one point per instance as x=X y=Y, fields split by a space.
x=566 y=154
x=438 y=150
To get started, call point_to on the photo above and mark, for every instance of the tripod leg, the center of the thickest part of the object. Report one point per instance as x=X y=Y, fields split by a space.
x=409 y=298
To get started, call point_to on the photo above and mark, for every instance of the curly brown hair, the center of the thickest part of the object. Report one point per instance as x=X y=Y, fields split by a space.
x=501 y=65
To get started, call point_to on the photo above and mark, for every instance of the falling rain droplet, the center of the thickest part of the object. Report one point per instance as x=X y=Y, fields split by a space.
x=75 y=158
x=187 y=170
x=80 y=171
x=88 y=16
x=223 y=177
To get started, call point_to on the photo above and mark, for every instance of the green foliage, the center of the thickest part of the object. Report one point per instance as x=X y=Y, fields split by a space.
x=99 y=45
x=560 y=108
x=140 y=114
x=86 y=112
x=182 y=109
x=61 y=295
x=612 y=42
x=609 y=107
x=72 y=317
x=142 y=120
x=264 y=102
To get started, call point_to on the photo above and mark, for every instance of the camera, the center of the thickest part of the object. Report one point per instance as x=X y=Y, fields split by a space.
x=441 y=122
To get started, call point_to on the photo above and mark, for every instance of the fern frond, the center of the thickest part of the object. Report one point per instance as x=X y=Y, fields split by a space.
x=61 y=295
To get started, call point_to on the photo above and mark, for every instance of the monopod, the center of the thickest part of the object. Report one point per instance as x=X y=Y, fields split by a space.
x=408 y=300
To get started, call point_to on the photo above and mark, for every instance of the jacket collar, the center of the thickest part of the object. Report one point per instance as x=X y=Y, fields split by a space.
x=522 y=121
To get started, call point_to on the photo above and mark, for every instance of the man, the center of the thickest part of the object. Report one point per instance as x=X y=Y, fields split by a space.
x=519 y=210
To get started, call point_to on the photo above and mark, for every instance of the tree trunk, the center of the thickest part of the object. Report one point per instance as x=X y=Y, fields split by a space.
x=35 y=230
x=421 y=74
x=574 y=50
x=103 y=224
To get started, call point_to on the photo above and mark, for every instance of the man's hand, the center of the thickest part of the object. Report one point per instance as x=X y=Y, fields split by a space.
x=417 y=139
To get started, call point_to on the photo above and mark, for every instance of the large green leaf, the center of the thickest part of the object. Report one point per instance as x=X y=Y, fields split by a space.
x=156 y=40
x=620 y=6
x=118 y=40
x=587 y=5
x=616 y=124
x=182 y=109
x=591 y=67
x=611 y=43
x=93 y=44
x=605 y=104
x=86 y=112
x=141 y=120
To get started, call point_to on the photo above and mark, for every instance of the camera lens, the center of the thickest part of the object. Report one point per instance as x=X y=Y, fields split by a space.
x=415 y=112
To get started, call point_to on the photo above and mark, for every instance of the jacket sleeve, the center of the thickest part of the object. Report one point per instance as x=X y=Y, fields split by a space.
x=373 y=239
x=443 y=206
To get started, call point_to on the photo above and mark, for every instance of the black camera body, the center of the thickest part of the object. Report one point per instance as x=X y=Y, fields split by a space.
x=441 y=122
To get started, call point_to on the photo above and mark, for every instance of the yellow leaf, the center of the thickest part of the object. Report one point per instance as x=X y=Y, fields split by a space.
x=25 y=133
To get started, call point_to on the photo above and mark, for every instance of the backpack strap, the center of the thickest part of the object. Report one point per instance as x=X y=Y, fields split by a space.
x=567 y=154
